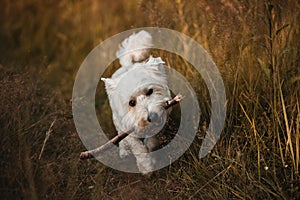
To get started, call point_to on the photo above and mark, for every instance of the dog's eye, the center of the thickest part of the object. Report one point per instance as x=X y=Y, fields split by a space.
x=132 y=103
x=149 y=92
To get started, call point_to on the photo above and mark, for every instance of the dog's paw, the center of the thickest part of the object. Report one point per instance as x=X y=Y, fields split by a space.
x=145 y=164
x=123 y=152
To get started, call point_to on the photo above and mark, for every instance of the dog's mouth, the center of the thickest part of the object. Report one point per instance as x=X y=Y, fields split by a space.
x=152 y=125
x=155 y=122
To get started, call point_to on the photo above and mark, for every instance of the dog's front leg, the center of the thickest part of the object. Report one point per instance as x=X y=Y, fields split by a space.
x=151 y=143
x=144 y=161
x=124 y=148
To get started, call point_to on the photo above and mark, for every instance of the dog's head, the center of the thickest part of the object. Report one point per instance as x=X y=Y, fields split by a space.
x=137 y=96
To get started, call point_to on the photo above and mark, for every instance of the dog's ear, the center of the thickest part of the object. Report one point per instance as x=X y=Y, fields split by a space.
x=109 y=85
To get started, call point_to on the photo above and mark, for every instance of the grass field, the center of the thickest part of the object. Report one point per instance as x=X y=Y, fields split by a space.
x=256 y=46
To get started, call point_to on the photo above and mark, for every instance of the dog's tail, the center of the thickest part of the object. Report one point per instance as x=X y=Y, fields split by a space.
x=135 y=48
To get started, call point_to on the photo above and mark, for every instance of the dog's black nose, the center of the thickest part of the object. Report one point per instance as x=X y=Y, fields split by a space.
x=152 y=117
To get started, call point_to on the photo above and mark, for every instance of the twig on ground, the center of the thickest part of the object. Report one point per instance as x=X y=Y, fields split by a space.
x=114 y=141
x=46 y=138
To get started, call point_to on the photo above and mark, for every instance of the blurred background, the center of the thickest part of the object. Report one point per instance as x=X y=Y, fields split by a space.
x=256 y=47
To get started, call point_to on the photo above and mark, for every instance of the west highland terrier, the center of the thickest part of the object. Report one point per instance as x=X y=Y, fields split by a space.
x=137 y=92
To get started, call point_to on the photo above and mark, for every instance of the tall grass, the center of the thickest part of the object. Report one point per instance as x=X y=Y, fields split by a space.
x=255 y=45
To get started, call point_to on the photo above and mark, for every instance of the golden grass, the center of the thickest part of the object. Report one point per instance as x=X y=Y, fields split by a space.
x=255 y=45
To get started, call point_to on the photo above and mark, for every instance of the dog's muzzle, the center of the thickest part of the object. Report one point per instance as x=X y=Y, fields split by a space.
x=153 y=117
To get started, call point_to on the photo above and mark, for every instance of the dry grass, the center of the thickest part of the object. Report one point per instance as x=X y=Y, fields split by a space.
x=256 y=47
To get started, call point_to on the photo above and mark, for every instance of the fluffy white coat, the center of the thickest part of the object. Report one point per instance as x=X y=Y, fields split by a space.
x=136 y=93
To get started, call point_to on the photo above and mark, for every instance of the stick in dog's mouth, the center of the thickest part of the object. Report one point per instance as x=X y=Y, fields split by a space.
x=114 y=141
x=173 y=101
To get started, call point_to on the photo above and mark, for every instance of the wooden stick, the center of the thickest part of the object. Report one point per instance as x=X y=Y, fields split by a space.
x=173 y=101
x=114 y=141
x=89 y=154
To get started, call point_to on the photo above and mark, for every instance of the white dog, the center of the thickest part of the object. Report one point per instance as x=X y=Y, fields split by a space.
x=137 y=92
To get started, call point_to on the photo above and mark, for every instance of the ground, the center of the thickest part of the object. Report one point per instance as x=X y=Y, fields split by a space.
x=256 y=47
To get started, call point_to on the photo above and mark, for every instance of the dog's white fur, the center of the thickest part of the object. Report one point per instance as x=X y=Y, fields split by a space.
x=136 y=93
